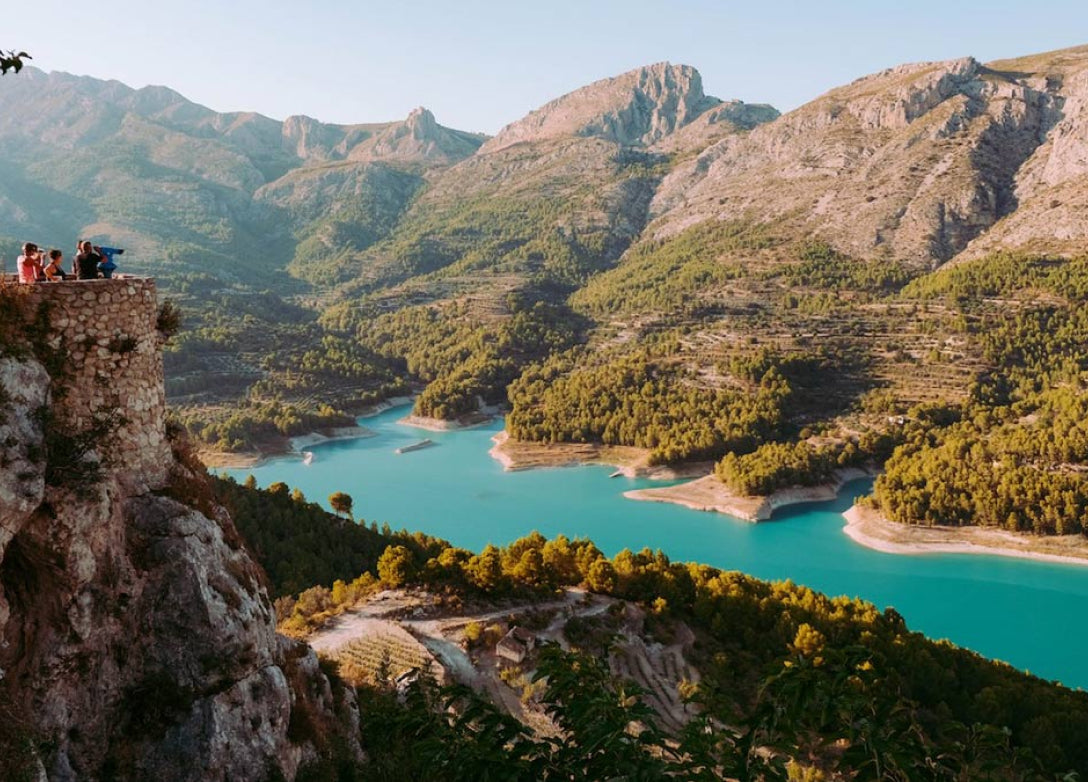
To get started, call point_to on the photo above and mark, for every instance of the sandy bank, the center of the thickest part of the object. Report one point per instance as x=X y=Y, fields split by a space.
x=442 y=425
x=710 y=494
x=388 y=404
x=631 y=462
x=221 y=460
x=869 y=528
x=329 y=435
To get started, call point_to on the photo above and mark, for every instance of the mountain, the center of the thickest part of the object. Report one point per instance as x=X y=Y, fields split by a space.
x=559 y=194
x=634 y=109
x=921 y=163
x=634 y=209
x=186 y=188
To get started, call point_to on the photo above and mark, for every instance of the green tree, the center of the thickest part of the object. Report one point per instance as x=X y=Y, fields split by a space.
x=341 y=503
x=396 y=566
x=601 y=576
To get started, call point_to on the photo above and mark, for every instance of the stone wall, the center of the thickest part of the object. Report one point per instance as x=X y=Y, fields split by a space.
x=106 y=332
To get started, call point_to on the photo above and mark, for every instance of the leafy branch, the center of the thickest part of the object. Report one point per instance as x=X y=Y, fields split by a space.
x=12 y=61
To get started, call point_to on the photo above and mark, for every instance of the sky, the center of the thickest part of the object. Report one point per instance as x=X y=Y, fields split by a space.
x=480 y=65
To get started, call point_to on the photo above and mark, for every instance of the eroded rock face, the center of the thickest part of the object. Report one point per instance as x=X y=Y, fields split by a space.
x=1051 y=188
x=636 y=108
x=24 y=389
x=136 y=637
x=913 y=163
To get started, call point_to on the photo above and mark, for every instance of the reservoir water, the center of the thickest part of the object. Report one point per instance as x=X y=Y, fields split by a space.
x=1026 y=613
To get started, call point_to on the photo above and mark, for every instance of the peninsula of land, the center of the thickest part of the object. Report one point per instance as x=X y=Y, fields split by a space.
x=293 y=446
x=868 y=527
x=708 y=493
x=629 y=461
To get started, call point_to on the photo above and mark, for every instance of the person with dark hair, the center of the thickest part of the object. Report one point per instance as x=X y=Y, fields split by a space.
x=85 y=265
x=29 y=264
x=52 y=270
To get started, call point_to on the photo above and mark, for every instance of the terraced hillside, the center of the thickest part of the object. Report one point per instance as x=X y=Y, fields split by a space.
x=635 y=263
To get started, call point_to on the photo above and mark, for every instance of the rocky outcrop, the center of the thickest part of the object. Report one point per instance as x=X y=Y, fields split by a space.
x=912 y=163
x=1051 y=188
x=137 y=640
x=714 y=124
x=418 y=140
x=636 y=108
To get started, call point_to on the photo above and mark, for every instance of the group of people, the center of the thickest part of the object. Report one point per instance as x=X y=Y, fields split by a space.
x=91 y=263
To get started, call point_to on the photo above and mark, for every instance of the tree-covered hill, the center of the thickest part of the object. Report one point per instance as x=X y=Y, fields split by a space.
x=635 y=263
x=790 y=678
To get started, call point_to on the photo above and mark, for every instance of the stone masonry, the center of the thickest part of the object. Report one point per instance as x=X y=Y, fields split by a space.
x=107 y=330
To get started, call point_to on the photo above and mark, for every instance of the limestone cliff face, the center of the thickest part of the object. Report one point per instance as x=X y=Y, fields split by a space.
x=915 y=162
x=634 y=109
x=1051 y=188
x=136 y=638
x=418 y=139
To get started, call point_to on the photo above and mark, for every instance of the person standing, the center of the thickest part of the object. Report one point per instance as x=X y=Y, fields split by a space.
x=108 y=265
x=53 y=271
x=85 y=265
x=30 y=264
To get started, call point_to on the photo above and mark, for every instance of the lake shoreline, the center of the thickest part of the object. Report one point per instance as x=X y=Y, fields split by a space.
x=870 y=528
x=294 y=446
x=708 y=493
x=443 y=425
x=629 y=462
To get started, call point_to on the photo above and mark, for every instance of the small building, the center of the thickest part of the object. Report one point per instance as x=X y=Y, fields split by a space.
x=516 y=645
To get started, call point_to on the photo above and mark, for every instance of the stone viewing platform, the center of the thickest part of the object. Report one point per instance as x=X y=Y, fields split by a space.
x=107 y=346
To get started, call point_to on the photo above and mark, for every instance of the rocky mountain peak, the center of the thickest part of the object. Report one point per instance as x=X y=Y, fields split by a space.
x=421 y=121
x=915 y=162
x=895 y=97
x=636 y=108
x=419 y=140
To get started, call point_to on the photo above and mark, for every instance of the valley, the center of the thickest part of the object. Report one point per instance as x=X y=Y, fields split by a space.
x=635 y=265
x=654 y=435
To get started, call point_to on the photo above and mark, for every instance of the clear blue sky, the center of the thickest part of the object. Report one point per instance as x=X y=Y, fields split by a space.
x=479 y=65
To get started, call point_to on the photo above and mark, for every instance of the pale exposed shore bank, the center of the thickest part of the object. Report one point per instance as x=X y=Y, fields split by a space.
x=338 y=433
x=223 y=460
x=388 y=404
x=710 y=494
x=631 y=462
x=295 y=446
x=442 y=425
x=869 y=528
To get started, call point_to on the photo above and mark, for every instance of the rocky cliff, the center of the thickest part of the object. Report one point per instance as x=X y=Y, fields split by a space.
x=917 y=163
x=636 y=108
x=136 y=638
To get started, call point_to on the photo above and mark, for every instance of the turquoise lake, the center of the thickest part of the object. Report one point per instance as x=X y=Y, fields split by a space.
x=1026 y=613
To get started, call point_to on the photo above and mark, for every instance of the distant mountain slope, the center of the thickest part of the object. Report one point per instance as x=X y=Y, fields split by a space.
x=915 y=163
x=186 y=188
x=636 y=108
x=557 y=195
